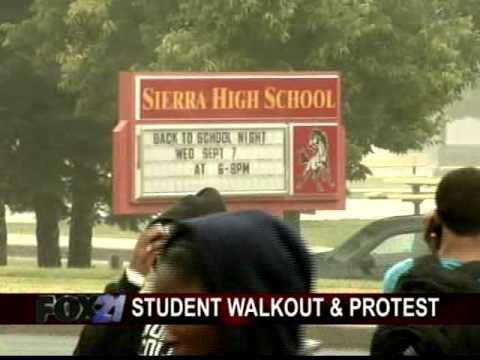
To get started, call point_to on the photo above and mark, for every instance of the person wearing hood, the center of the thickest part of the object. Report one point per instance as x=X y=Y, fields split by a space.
x=128 y=339
x=246 y=251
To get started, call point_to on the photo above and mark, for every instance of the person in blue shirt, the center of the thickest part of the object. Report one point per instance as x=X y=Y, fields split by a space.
x=452 y=233
x=453 y=229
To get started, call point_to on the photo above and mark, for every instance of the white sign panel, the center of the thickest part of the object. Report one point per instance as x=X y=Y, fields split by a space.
x=235 y=159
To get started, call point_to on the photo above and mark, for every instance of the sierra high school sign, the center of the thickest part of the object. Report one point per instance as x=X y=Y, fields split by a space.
x=273 y=141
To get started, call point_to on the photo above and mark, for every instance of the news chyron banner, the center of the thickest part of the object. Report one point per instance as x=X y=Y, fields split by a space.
x=238 y=309
x=269 y=140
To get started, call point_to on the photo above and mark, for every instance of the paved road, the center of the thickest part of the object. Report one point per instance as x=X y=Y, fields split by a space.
x=97 y=242
x=61 y=339
x=28 y=344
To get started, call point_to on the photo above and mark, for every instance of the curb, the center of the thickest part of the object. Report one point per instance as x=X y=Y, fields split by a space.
x=330 y=336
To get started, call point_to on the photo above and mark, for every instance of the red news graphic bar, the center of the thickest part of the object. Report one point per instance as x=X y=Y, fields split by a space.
x=238 y=309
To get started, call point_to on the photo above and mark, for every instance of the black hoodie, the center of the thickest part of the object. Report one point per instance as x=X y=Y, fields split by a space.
x=252 y=251
x=246 y=251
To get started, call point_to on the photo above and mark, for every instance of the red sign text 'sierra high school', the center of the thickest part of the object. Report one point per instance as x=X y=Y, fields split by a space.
x=268 y=140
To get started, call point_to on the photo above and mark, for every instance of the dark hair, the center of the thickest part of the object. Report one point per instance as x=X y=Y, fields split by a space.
x=458 y=201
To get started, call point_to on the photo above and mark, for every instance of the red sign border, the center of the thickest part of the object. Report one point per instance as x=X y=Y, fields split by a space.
x=128 y=97
x=124 y=201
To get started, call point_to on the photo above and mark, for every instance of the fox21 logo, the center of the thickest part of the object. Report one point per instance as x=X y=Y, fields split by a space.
x=98 y=309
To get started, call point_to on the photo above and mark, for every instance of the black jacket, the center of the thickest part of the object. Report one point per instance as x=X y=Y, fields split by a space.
x=245 y=251
x=111 y=339
x=428 y=276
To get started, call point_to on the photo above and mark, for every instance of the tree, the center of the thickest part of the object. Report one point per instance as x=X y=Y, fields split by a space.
x=103 y=38
x=75 y=175
x=402 y=63
x=89 y=43
x=36 y=167
x=34 y=110
x=13 y=12
x=386 y=52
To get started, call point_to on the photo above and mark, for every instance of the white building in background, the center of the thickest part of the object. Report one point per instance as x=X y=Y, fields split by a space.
x=463 y=131
x=462 y=136
x=461 y=146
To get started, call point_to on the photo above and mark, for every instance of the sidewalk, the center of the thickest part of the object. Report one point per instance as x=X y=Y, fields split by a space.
x=97 y=242
x=355 y=209
x=369 y=209
x=333 y=337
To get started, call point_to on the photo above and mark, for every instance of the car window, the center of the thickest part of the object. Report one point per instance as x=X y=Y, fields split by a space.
x=402 y=243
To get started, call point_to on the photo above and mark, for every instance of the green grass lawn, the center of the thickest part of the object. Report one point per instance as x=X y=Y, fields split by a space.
x=347 y=285
x=22 y=276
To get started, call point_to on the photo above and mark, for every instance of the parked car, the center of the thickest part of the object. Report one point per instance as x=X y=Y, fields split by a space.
x=369 y=252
